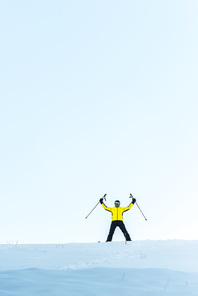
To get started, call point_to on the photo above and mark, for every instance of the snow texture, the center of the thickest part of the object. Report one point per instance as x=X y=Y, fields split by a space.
x=136 y=268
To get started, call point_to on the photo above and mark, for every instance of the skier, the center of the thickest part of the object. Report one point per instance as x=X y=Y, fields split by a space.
x=117 y=218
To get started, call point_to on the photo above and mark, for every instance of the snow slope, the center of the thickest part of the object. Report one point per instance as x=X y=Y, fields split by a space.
x=136 y=268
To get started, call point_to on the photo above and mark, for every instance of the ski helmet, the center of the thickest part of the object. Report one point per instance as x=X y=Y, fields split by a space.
x=117 y=202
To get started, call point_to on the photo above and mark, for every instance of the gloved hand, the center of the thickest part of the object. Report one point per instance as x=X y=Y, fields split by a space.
x=133 y=200
x=101 y=200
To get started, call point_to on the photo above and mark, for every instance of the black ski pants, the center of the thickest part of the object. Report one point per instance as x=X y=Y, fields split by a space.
x=121 y=225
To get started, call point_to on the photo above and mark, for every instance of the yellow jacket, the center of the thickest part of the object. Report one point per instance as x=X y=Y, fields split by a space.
x=117 y=213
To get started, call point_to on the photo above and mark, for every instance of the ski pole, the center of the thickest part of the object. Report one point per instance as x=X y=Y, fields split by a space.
x=95 y=206
x=131 y=196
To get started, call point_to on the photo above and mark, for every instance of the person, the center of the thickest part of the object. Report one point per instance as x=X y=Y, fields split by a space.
x=117 y=218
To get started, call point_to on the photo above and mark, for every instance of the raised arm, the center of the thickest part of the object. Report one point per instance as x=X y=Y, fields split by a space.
x=104 y=206
x=130 y=206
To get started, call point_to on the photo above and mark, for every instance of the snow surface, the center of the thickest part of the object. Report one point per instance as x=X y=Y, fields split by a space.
x=137 y=268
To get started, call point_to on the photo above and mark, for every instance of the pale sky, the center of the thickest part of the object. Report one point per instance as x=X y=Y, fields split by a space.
x=98 y=97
